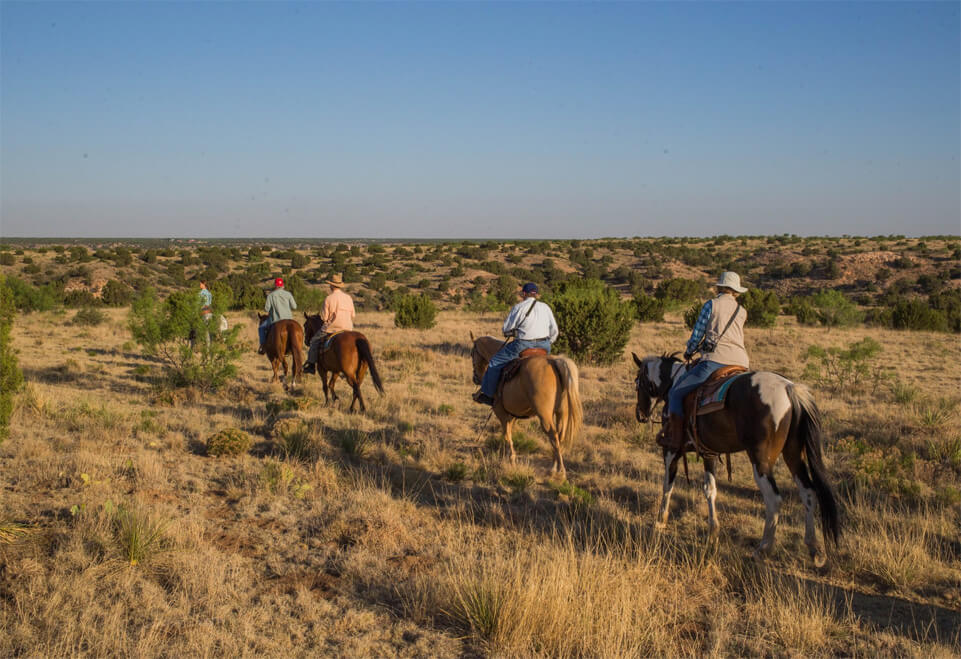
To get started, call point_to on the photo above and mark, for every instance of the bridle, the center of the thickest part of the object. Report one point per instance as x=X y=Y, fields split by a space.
x=645 y=386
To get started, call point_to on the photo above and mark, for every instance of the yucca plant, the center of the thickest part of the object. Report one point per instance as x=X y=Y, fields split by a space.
x=141 y=536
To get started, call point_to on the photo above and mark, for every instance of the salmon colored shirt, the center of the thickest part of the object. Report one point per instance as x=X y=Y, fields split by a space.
x=338 y=312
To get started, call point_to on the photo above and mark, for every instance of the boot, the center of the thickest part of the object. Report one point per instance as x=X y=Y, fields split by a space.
x=482 y=398
x=673 y=436
x=261 y=350
x=309 y=368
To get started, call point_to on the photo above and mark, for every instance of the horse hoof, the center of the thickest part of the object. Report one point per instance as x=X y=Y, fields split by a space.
x=820 y=559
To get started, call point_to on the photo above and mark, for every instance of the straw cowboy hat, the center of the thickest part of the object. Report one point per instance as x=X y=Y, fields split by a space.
x=730 y=280
x=337 y=281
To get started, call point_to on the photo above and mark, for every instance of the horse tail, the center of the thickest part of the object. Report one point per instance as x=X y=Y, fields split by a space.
x=806 y=428
x=296 y=348
x=363 y=349
x=570 y=386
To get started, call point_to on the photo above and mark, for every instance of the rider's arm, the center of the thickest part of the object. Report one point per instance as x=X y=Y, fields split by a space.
x=267 y=305
x=511 y=322
x=552 y=326
x=293 y=303
x=699 y=328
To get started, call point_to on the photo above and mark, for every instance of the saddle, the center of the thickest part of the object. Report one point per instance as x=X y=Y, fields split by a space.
x=708 y=398
x=512 y=368
x=330 y=337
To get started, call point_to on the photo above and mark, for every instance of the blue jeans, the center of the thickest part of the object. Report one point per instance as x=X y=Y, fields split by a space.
x=688 y=383
x=507 y=353
x=262 y=330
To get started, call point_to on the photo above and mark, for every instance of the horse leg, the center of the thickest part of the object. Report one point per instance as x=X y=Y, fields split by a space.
x=710 y=492
x=355 y=386
x=323 y=379
x=508 y=427
x=792 y=457
x=772 y=503
x=547 y=425
x=333 y=380
x=670 y=473
x=276 y=367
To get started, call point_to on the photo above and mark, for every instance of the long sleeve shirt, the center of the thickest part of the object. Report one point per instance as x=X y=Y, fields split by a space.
x=279 y=305
x=700 y=326
x=538 y=324
x=337 y=312
x=206 y=298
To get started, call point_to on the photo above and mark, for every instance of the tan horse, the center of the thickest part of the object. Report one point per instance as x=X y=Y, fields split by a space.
x=545 y=387
x=285 y=336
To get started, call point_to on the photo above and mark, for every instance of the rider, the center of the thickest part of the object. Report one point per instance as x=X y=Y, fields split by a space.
x=278 y=307
x=531 y=325
x=206 y=301
x=337 y=315
x=719 y=336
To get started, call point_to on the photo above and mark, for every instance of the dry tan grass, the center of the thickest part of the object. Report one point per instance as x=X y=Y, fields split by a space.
x=403 y=532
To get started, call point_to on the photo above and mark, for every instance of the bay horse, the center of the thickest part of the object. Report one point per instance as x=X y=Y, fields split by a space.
x=284 y=336
x=545 y=386
x=765 y=415
x=349 y=354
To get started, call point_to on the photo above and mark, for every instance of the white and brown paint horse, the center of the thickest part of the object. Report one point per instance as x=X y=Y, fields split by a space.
x=766 y=415
x=545 y=386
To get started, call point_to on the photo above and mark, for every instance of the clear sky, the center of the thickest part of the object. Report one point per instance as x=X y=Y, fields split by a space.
x=479 y=119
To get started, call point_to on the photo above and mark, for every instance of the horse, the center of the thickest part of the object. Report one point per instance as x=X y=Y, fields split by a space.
x=284 y=336
x=545 y=386
x=349 y=354
x=765 y=415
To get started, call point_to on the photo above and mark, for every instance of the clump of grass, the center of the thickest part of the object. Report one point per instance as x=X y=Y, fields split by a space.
x=903 y=393
x=300 y=442
x=577 y=495
x=445 y=409
x=518 y=481
x=140 y=535
x=278 y=478
x=229 y=441
x=405 y=427
x=353 y=442
x=11 y=531
x=456 y=472
x=280 y=406
x=933 y=414
x=523 y=444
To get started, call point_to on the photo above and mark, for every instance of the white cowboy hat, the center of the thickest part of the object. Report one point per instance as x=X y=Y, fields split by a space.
x=337 y=281
x=730 y=280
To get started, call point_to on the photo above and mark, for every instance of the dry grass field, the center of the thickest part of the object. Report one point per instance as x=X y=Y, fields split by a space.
x=404 y=532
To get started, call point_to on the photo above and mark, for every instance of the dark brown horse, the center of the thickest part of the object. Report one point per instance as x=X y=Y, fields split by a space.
x=545 y=387
x=349 y=354
x=285 y=337
x=767 y=416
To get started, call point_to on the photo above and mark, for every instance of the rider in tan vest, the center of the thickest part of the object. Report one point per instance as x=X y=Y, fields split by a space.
x=719 y=336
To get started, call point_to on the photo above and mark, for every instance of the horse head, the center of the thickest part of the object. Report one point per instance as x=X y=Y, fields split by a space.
x=479 y=354
x=312 y=325
x=655 y=376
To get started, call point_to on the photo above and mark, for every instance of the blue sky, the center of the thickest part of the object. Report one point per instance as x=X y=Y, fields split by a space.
x=479 y=119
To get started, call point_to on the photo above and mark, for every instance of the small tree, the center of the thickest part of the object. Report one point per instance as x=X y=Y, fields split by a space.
x=594 y=322
x=10 y=376
x=193 y=352
x=648 y=309
x=116 y=294
x=415 y=311
x=762 y=307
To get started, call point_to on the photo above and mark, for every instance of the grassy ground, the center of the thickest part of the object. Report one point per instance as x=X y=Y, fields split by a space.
x=404 y=531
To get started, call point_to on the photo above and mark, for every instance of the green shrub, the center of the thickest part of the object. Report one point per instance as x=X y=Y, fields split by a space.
x=140 y=535
x=648 y=309
x=679 y=291
x=10 y=376
x=34 y=298
x=844 y=368
x=415 y=311
x=828 y=307
x=191 y=350
x=594 y=322
x=762 y=307
x=88 y=317
x=690 y=316
x=229 y=441
x=116 y=294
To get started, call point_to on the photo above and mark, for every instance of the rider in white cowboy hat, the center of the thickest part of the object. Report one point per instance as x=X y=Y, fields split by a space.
x=337 y=315
x=719 y=336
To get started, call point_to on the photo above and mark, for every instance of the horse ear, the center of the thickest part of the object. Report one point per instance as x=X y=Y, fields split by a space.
x=472 y=339
x=637 y=360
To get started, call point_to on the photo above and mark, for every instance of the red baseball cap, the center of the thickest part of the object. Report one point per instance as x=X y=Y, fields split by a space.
x=278 y=282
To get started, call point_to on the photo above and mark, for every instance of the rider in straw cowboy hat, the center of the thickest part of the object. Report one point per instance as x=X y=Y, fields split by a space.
x=337 y=315
x=278 y=307
x=719 y=336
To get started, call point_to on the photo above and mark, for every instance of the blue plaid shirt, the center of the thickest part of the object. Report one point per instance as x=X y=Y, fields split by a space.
x=700 y=327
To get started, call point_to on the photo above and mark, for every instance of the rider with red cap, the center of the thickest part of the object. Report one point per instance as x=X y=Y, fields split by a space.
x=279 y=305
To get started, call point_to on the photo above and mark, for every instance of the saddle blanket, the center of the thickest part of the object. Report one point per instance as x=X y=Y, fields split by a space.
x=712 y=393
x=512 y=367
x=329 y=339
